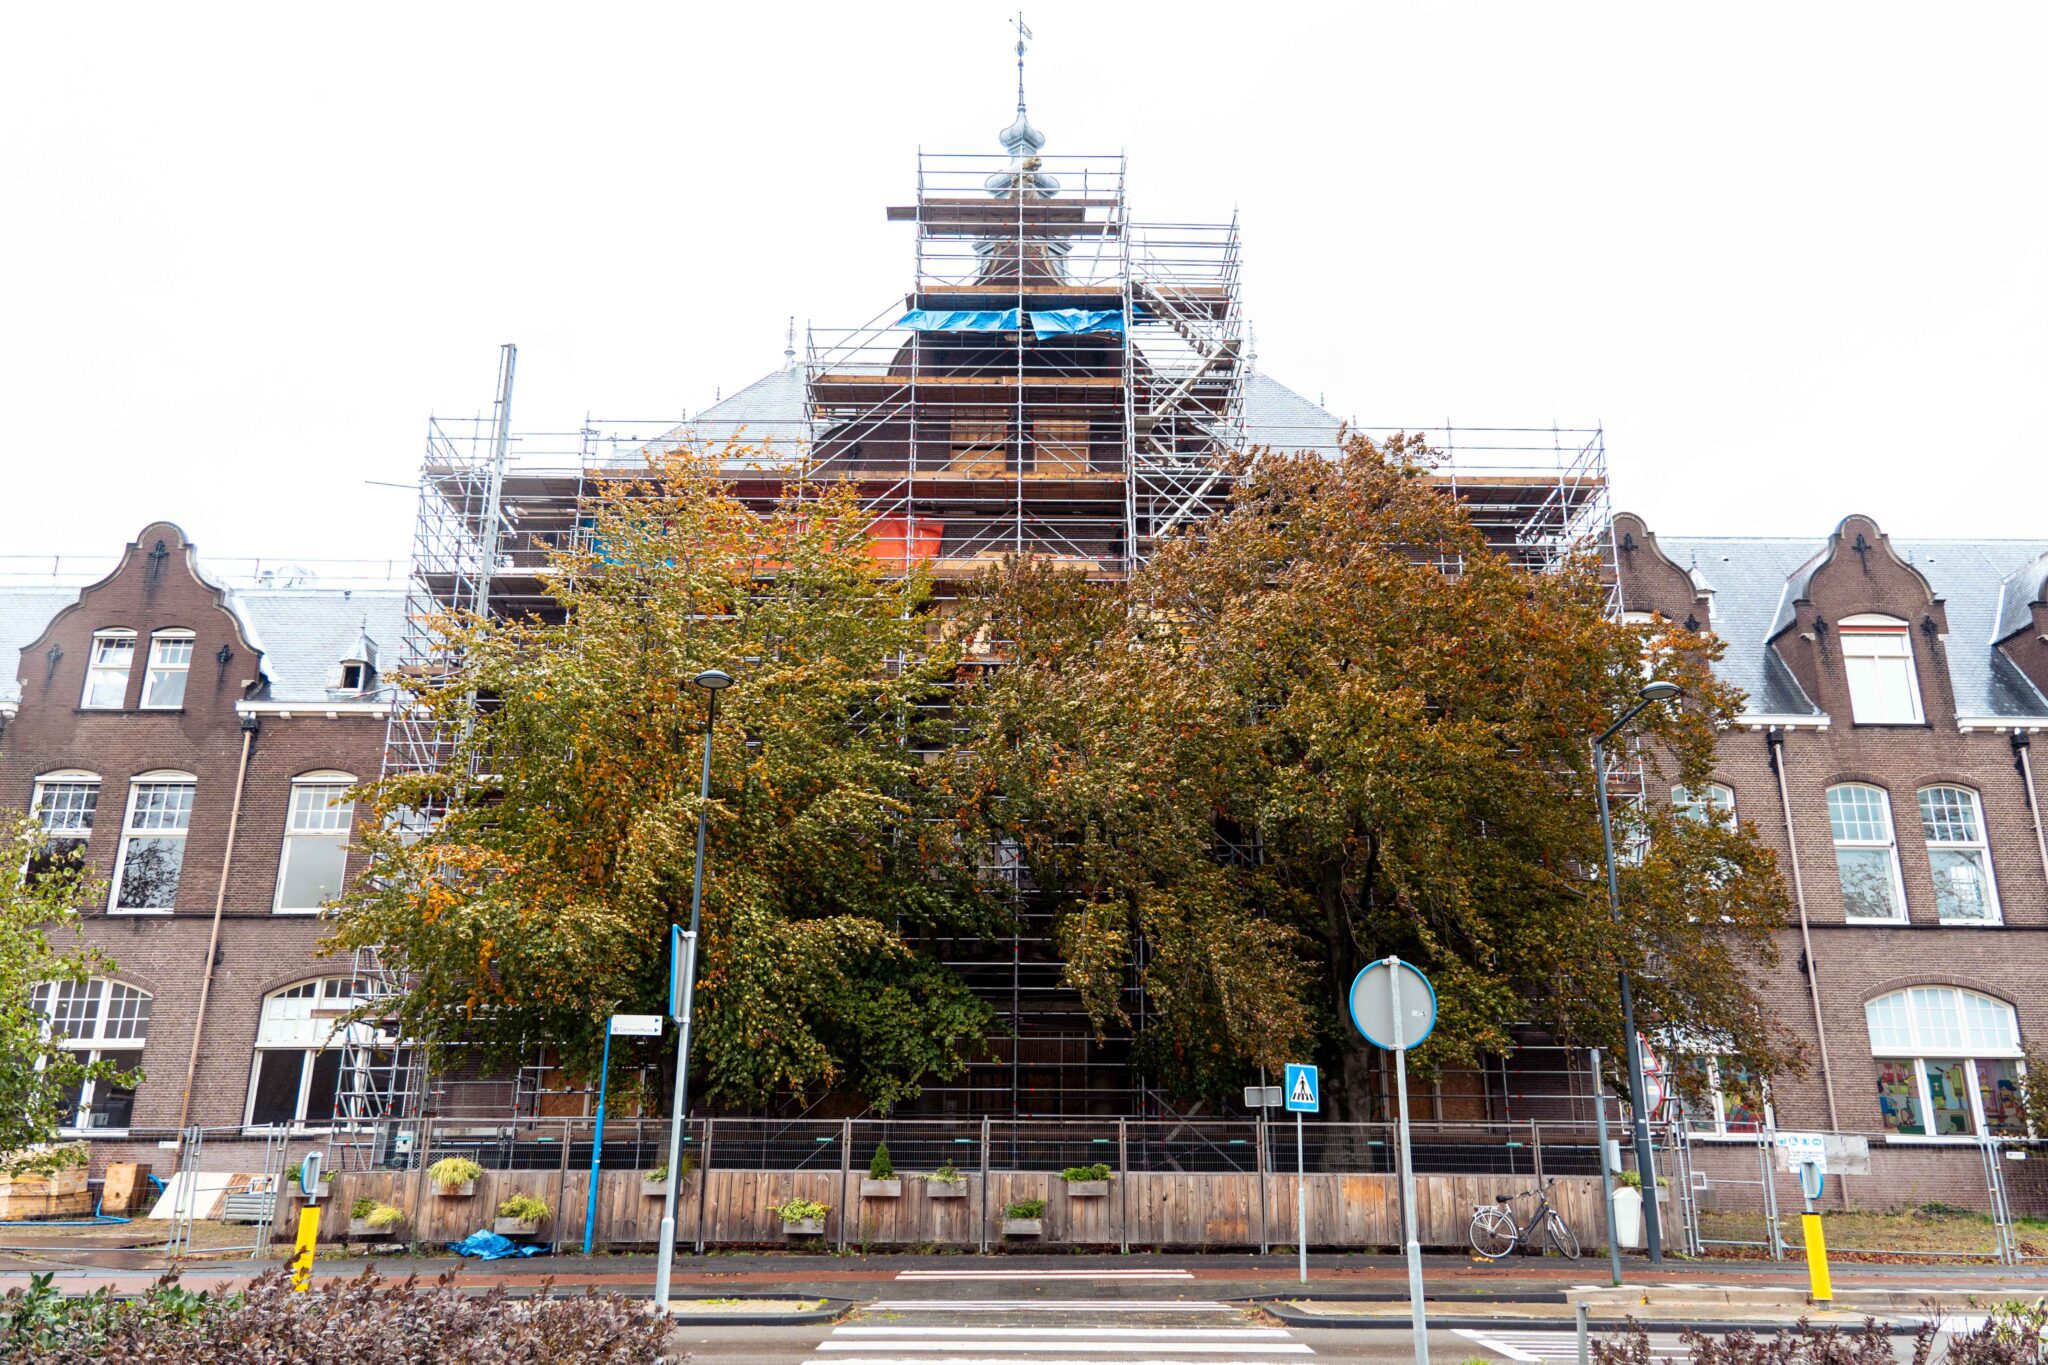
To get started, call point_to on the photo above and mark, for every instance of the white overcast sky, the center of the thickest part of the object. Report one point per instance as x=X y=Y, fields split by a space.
x=1793 y=257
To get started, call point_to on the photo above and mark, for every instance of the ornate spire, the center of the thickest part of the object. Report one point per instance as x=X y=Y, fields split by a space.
x=1021 y=140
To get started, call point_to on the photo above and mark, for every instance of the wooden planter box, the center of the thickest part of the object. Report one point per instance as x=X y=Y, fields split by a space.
x=1087 y=1189
x=940 y=1189
x=515 y=1227
x=658 y=1189
x=804 y=1227
x=880 y=1189
x=62 y=1195
x=360 y=1230
x=463 y=1191
x=1023 y=1227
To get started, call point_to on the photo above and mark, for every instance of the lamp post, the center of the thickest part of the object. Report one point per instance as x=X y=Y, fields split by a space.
x=1646 y=1167
x=713 y=681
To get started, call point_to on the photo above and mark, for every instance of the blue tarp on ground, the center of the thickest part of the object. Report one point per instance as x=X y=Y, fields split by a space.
x=489 y=1246
x=1059 y=322
x=960 y=320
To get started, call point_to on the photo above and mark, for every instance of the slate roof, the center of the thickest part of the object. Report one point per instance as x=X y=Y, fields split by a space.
x=1756 y=579
x=303 y=633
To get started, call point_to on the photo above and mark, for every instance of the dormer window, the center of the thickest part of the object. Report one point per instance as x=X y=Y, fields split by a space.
x=354 y=676
x=107 y=669
x=358 y=670
x=170 y=663
x=1877 y=657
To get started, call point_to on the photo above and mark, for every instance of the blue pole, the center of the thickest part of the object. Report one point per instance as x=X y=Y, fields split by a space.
x=604 y=1074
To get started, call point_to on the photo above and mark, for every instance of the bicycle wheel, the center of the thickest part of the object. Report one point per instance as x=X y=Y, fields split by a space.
x=1561 y=1235
x=1493 y=1233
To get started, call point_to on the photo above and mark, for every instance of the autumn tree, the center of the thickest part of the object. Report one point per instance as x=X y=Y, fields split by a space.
x=1332 y=724
x=542 y=900
x=41 y=886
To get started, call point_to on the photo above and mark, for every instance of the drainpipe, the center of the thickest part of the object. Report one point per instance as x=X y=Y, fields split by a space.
x=1776 y=736
x=220 y=898
x=2022 y=746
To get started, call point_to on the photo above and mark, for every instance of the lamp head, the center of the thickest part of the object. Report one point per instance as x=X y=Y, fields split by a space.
x=1661 y=691
x=712 y=680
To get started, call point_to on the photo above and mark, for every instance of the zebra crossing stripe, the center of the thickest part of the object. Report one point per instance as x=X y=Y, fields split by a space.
x=1050 y=1306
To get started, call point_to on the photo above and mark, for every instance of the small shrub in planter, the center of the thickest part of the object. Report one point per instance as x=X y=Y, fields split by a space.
x=654 y=1185
x=1087 y=1182
x=945 y=1183
x=371 y=1219
x=881 y=1181
x=803 y=1217
x=521 y=1216
x=295 y=1181
x=1024 y=1218
x=454 y=1176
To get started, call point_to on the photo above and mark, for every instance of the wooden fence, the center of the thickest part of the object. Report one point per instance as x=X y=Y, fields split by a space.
x=1142 y=1209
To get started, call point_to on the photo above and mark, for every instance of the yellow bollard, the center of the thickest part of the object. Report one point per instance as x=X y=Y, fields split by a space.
x=1820 y=1288
x=302 y=1248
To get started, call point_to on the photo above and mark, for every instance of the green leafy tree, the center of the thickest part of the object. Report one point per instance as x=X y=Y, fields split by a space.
x=40 y=890
x=543 y=899
x=1332 y=725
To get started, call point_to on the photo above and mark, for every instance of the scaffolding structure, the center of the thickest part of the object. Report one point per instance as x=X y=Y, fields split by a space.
x=1060 y=381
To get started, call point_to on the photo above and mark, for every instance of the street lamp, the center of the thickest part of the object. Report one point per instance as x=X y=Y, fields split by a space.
x=712 y=681
x=1653 y=1239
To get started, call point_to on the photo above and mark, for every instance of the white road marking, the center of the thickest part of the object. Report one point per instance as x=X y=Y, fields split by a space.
x=1045 y=1275
x=1544 y=1345
x=1050 y=1306
x=1152 y=1333
x=1167 y=1341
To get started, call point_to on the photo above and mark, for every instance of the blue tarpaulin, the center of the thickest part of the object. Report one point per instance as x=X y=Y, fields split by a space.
x=1055 y=322
x=489 y=1246
x=939 y=320
x=1059 y=322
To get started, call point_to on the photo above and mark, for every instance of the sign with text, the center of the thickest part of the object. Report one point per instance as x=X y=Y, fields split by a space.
x=636 y=1025
x=1799 y=1149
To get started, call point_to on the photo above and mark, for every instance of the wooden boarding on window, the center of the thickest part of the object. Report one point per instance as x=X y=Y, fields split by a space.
x=1059 y=445
x=980 y=442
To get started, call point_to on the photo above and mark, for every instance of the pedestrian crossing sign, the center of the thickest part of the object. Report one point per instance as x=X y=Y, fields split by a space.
x=1304 y=1093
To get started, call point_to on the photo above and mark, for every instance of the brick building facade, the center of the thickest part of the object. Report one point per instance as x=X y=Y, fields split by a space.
x=1887 y=754
x=191 y=742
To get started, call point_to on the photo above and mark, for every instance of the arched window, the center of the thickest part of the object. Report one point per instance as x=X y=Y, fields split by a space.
x=99 y=1021
x=1877 y=657
x=315 y=854
x=107 y=669
x=152 y=857
x=1965 y=891
x=1948 y=1063
x=1713 y=804
x=1866 y=854
x=65 y=802
x=170 y=662
x=302 y=1049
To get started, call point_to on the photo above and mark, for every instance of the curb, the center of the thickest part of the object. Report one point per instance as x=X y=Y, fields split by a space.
x=1295 y=1317
x=833 y=1310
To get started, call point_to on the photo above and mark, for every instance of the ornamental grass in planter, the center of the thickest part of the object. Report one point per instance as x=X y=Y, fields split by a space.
x=654 y=1184
x=1024 y=1218
x=521 y=1216
x=372 y=1220
x=945 y=1183
x=803 y=1217
x=1087 y=1182
x=454 y=1176
x=881 y=1181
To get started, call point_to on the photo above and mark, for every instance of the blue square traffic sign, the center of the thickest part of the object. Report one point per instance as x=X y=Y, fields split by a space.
x=1304 y=1092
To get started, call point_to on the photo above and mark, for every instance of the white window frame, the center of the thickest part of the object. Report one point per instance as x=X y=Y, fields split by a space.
x=1869 y=644
x=162 y=643
x=1963 y=1038
x=320 y=1031
x=362 y=682
x=162 y=777
x=293 y=832
x=1713 y=804
x=1979 y=845
x=94 y=668
x=95 y=1046
x=1717 y=1110
x=79 y=834
x=1890 y=843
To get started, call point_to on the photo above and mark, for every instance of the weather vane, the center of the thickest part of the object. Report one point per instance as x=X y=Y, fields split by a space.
x=1023 y=36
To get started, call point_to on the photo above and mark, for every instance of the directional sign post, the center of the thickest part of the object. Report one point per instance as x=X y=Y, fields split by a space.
x=1304 y=1093
x=1807 y=1154
x=626 y=1026
x=1394 y=1006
